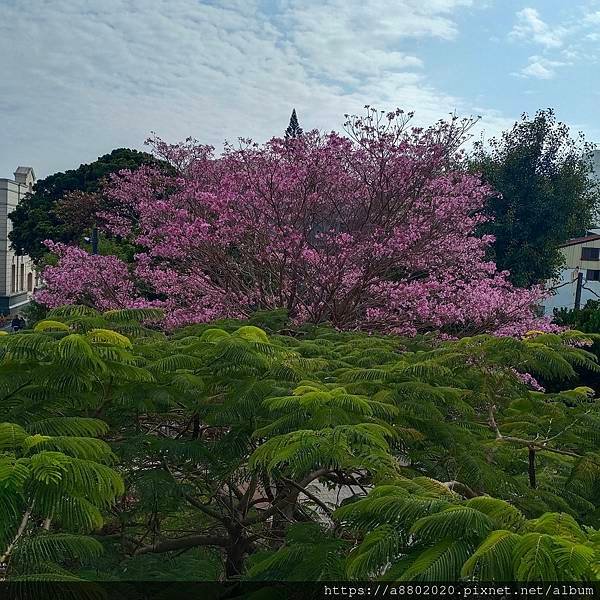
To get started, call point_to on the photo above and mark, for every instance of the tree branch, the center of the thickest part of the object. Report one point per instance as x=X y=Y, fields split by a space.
x=310 y=495
x=285 y=497
x=460 y=488
x=206 y=510
x=534 y=444
x=183 y=543
x=18 y=535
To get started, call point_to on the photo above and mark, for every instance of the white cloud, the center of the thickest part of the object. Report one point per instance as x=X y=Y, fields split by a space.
x=541 y=68
x=592 y=18
x=569 y=43
x=531 y=27
x=82 y=77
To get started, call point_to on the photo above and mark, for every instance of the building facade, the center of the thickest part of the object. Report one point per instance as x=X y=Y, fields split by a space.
x=17 y=275
x=579 y=280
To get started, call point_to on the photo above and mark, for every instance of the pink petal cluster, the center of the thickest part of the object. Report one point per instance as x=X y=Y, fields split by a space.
x=102 y=282
x=529 y=380
x=375 y=230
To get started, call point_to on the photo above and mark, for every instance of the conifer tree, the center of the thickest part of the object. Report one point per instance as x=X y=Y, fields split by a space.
x=293 y=130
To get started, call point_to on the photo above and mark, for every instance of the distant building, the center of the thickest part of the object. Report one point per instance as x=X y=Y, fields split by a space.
x=17 y=275
x=581 y=255
x=596 y=163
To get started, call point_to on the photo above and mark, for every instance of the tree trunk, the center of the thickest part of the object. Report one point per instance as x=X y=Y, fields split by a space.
x=283 y=518
x=196 y=430
x=532 y=482
x=234 y=559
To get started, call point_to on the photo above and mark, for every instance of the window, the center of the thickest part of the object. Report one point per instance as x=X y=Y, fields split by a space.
x=592 y=275
x=22 y=278
x=13 y=279
x=30 y=282
x=590 y=254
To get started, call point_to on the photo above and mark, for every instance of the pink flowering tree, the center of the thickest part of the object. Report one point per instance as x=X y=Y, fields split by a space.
x=103 y=282
x=375 y=229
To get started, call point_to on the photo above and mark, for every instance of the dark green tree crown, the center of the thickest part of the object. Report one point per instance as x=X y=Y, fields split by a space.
x=293 y=130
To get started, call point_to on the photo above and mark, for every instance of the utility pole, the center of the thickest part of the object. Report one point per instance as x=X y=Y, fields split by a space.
x=578 y=290
x=94 y=240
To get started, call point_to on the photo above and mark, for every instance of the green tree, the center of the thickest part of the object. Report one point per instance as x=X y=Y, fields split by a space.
x=56 y=474
x=582 y=319
x=293 y=129
x=545 y=194
x=49 y=211
x=318 y=455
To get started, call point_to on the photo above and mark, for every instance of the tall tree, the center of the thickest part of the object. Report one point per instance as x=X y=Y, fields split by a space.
x=293 y=130
x=545 y=194
x=41 y=214
x=369 y=230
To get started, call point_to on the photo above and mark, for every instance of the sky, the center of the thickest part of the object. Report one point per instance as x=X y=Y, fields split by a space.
x=82 y=77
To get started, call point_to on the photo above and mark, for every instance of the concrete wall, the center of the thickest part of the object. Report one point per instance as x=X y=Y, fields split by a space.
x=563 y=295
x=564 y=288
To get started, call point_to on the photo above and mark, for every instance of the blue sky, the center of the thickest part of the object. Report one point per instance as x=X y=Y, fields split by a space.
x=81 y=77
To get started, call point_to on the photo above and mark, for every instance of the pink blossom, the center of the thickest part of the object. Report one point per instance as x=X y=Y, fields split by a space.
x=372 y=230
x=100 y=281
x=529 y=380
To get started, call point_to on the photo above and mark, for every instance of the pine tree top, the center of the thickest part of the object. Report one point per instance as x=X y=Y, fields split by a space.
x=293 y=130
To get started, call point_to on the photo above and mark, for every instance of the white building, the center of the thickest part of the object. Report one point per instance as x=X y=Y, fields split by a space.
x=581 y=257
x=17 y=275
x=596 y=163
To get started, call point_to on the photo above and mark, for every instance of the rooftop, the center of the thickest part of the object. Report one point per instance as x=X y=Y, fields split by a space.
x=591 y=237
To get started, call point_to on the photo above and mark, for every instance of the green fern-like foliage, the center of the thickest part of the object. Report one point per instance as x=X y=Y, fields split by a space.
x=64 y=482
x=310 y=553
x=483 y=538
x=57 y=475
x=262 y=452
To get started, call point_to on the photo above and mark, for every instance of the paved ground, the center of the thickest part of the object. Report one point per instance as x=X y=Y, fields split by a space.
x=6 y=327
